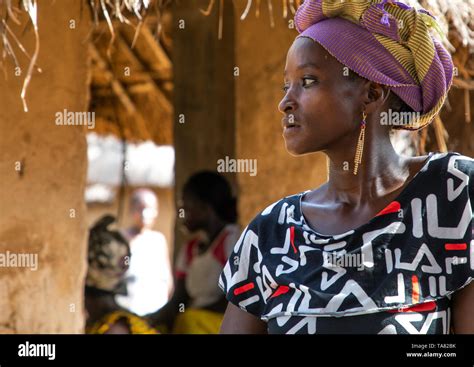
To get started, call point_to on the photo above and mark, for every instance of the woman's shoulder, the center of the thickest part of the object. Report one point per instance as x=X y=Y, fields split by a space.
x=444 y=171
x=277 y=212
x=449 y=162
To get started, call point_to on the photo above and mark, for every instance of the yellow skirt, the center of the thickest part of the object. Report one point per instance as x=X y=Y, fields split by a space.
x=196 y=321
x=136 y=324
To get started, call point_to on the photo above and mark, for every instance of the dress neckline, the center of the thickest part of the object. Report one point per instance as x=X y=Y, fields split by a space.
x=357 y=229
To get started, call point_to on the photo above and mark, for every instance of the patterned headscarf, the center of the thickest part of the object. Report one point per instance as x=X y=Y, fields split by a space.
x=386 y=42
x=108 y=258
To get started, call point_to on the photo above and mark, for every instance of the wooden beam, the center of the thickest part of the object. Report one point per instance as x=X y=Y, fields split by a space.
x=163 y=101
x=463 y=83
x=147 y=47
x=121 y=93
x=440 y=134
x=99 y=79
x=114 y=83
x=156 y=49
x=134 y=89
x=150 y=52
x=141 y=88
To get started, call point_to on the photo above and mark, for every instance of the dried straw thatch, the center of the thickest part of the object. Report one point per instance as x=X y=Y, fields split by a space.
x=131 y=87
x=131 y=68
x=126 y=30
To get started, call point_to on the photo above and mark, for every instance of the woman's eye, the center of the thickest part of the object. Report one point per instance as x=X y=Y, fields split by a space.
x=285 y=88
x=308 y=81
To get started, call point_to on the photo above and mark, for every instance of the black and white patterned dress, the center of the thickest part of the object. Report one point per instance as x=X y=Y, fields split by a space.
x=393 y=275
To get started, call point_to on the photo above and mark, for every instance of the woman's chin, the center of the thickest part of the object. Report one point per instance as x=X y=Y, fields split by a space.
x=297 y=148
x=294 y=148
x=295 y=140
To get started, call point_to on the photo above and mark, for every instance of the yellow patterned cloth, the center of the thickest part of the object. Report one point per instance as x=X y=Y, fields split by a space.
x=387 y=42
x=196 y=321
x=136 y=324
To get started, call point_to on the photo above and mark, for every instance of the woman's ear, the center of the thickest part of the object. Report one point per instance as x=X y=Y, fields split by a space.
x=375 y=96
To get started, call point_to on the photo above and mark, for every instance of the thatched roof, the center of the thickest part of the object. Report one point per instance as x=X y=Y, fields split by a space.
x=455 y=16
x=132 y=86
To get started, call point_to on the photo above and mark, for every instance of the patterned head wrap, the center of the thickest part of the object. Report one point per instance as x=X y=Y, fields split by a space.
x=386 y=42
x=108 y=257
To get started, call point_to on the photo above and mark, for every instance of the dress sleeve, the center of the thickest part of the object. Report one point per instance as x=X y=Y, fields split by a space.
x=461 y=169
x=471 y=198
x=241 y=275
x=442 y=262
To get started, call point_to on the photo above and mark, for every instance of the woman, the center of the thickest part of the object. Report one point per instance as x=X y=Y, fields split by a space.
x=198 y=305
x=108 y=257
x=386 y=244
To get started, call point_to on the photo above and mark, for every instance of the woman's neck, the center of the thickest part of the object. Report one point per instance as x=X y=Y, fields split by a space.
x=381 y=170
x=213 y=229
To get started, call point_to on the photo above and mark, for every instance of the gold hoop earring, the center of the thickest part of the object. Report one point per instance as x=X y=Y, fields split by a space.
x=360 y=144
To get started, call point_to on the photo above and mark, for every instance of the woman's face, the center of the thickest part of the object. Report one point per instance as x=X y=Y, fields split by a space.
x=196 y=212
x=322 y=104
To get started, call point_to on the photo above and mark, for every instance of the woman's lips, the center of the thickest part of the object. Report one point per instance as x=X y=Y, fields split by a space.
x=289 y=122
x=290 y=126
x=291 y=130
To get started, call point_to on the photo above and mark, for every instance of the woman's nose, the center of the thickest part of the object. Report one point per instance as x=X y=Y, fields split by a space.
x=287 y=104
